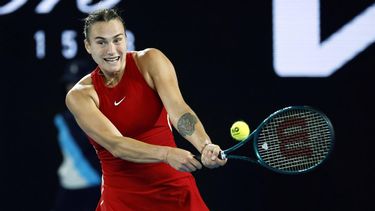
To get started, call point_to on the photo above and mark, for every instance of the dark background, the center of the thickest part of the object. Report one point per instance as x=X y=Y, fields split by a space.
x=223 y=55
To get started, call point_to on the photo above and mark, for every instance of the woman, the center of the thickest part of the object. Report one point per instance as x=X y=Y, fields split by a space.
x=126 y=107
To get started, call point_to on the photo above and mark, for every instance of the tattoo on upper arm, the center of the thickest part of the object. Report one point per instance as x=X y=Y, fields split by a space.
x=186 y=124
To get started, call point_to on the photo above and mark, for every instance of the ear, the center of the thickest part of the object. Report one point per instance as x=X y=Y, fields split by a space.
x=87 y=46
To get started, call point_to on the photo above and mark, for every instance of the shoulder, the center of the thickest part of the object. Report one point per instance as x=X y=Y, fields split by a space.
x=150 y=56
x=83 y=86
x=81 y=91
x=152 y=60
x=148 y=53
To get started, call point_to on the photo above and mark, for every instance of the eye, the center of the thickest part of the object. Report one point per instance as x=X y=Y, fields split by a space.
x=100 y=42
x=117 y=40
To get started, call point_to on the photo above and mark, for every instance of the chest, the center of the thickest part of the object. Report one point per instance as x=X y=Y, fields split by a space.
x=132 y=106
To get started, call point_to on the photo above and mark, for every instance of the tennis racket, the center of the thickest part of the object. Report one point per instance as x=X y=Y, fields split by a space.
x=292 y=140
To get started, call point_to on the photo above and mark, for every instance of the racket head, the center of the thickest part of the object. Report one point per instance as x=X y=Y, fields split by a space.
x=294 y=140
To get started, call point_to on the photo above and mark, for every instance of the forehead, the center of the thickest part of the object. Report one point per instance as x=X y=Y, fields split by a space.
x=106 y=28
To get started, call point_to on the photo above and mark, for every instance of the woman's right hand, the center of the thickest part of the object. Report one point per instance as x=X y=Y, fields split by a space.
x=181 y=160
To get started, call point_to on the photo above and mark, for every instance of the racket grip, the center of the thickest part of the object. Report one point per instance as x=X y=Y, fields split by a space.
x=198 y=158
x=221 y=155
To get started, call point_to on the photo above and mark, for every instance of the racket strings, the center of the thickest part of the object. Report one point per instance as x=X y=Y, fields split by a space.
x=295 y=140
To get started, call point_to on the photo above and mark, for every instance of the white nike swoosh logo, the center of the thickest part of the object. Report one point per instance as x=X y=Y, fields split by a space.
x=118 y=103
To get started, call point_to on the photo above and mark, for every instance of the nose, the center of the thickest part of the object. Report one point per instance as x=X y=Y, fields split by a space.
x=110 y=48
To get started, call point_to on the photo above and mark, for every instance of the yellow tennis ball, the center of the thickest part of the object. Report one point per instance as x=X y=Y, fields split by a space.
x=240 y=130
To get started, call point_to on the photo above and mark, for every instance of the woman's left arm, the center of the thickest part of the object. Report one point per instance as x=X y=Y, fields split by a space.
x=163 y=79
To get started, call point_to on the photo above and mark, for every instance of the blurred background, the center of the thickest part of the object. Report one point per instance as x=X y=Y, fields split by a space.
x=234 y=60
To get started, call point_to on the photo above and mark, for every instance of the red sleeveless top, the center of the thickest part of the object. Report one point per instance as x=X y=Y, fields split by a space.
x=133 y=107
x=137 y=112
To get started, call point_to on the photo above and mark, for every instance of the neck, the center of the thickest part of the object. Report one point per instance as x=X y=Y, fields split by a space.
x=113 y=79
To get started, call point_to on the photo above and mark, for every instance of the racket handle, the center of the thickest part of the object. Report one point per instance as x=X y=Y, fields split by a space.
x=221 y=156
x=198 y=158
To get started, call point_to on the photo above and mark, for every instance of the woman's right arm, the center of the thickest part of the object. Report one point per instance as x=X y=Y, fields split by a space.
x=82 y=101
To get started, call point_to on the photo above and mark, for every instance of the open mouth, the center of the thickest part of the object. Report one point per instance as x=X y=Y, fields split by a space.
x=112 y=59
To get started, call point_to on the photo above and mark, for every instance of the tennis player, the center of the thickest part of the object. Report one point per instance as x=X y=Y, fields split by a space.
x=127 y=107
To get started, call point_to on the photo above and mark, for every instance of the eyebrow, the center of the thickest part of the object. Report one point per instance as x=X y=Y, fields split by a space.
x=103 y=38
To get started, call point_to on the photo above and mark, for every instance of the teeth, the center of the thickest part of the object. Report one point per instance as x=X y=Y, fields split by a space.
x=112 y=59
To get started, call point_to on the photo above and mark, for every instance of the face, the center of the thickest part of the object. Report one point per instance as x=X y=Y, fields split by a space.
x=107 y=45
